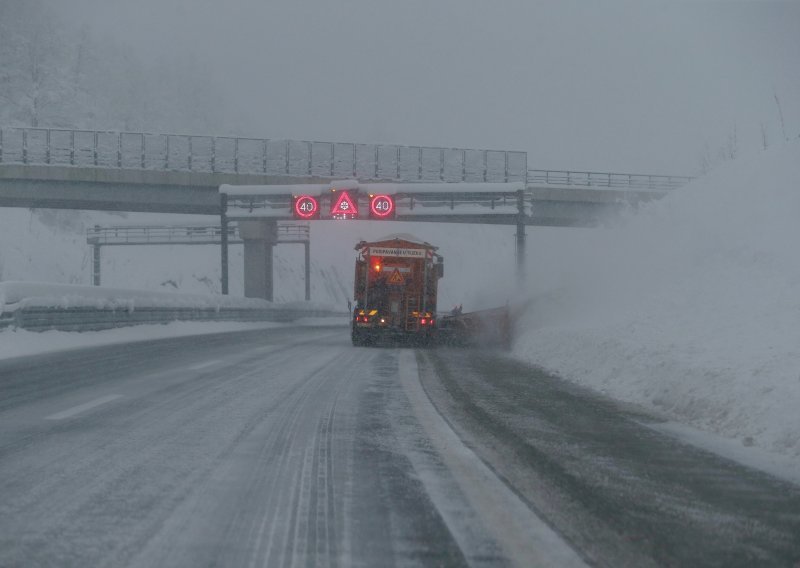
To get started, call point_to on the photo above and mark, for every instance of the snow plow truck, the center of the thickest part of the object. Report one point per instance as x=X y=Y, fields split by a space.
x=395 y=291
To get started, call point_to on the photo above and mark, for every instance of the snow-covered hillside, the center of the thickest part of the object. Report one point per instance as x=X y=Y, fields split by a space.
x=690 y=307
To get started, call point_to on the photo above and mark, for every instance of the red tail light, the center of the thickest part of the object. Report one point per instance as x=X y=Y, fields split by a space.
x=423 y=321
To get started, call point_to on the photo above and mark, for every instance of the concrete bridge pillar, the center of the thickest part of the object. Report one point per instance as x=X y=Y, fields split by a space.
x=259 y=236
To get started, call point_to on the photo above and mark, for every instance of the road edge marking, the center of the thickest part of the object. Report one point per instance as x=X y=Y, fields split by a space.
x=522 y=535
x=70 y=412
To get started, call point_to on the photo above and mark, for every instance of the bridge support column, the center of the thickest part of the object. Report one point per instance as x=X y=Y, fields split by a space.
x=96 y=265
x=259 y=236
x=223 y=219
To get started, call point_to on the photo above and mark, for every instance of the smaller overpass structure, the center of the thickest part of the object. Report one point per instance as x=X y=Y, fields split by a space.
x=152 y=235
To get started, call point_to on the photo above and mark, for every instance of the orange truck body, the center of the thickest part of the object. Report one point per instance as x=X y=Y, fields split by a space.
x=395 y=291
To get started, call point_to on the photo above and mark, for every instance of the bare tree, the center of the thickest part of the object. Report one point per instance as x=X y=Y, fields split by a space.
x=780 y=115
x=732 y=148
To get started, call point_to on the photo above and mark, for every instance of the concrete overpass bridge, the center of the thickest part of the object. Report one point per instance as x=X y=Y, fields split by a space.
x=171 y=173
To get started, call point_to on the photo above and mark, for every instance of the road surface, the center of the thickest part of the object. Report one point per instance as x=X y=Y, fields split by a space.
x=290 y=447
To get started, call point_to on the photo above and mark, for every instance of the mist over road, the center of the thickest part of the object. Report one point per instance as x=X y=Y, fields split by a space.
x=287 y=447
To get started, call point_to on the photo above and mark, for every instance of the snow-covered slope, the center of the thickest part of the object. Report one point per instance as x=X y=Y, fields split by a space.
x=690 y=307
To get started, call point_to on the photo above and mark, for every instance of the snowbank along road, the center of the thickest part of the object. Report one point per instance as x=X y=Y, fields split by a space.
x=289 y=447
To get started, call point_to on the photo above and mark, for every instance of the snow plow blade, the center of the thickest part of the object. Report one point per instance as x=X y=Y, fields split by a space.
x=485 y=328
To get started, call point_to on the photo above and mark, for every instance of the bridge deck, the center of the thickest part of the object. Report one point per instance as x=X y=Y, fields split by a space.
x=124 y=171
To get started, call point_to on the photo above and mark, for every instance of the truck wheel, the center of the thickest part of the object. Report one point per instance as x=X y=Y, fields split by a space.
x=358 y=340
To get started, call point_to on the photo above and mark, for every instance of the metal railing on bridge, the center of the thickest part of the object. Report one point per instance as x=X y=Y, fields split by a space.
x=217 y=154
x=605 y=180
x=260 y=156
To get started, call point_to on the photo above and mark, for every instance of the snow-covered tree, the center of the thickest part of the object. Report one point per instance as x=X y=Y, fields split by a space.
x=54 y=75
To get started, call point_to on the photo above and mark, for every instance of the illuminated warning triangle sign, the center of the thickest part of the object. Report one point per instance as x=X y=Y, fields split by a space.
x=344 y=205
x=396 y=278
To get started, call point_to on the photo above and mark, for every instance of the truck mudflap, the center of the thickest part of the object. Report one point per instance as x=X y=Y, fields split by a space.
x=484 y=328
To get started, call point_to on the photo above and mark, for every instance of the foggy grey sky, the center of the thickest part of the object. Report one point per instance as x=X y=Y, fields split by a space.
x=626 y=86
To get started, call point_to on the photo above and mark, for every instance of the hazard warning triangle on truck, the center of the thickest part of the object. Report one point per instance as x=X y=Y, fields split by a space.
x=396 y=278
x=344 y=207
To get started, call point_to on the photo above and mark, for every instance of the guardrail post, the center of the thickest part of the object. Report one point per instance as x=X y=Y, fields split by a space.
x=223 y=219
x=119 y=149
x=1 y=144
x=144 y=153
x=310 y=157
x=463 y=165
x=307 y=251
x=24 y=146
x=236 y=155
x=264 y=144
x=47 y=150
x=355 y=167
x=506 y=174
x=72 y=148
x=166 y=153
x=377 y=162
x=94 y=149
x=288 y=149
x=189 y=157
x=441 y=164
x=485 y=165
x=398 y=162
x=419 y=164
x=213 y=155
x=521 y=238
x=333 y=157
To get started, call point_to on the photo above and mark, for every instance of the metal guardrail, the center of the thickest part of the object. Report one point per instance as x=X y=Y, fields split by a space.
x=90 y=319
x=218 y=154
x=606 y=180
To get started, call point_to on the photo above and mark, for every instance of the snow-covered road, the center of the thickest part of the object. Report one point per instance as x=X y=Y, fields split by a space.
x=288 y=447
x=274 y=447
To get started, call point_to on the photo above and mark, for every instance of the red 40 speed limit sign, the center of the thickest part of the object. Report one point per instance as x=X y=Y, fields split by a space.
x=306 y=207
x=381 y=207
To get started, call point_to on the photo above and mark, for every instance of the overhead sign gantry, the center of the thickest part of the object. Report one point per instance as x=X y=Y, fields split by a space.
x=496 y=203
x=257 y=208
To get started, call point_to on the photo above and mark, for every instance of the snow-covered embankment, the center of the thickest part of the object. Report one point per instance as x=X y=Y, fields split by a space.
x=690 y=307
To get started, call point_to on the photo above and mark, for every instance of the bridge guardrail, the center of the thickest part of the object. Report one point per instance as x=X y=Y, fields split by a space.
x=220 y=154
x=261 y=156
x=606 y=180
